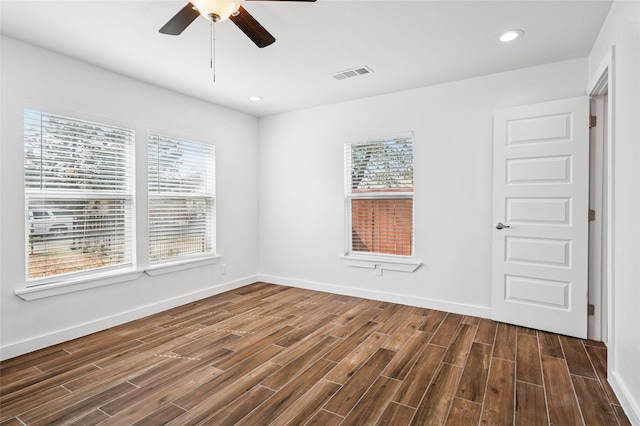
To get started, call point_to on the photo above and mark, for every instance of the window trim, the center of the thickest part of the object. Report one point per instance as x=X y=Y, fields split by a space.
x=376 y=261
x=120 y=272
x=381 y=262
x=171 y=264
x=167 y=267
x=83 y=282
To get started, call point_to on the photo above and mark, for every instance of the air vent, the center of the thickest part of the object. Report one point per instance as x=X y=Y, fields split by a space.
x=353 y=72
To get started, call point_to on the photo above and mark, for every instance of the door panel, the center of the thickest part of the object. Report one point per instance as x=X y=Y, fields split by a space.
x=525 y=171
x=539 y=129
x=538 y=251
x=538 y=211
x=540 y=192
x=535 y=291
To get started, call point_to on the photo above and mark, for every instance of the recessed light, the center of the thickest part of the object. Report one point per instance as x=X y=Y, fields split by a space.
x=510 y=35
x=255 y=98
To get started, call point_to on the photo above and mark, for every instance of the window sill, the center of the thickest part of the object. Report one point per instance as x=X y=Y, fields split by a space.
x=175 y=266
x=76 y=284
x=381 y=263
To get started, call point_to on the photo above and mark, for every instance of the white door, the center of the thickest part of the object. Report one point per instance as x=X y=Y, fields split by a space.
x=540 y=216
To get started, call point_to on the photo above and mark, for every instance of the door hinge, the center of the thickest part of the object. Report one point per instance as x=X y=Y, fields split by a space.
x=593 y=120
x=592 y=215
x=591 y=309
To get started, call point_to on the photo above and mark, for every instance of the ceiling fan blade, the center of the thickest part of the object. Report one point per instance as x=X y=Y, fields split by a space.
x=180 y=21
x=252 y=28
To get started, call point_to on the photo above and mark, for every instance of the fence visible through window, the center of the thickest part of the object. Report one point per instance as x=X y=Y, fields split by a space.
x=382 y=226
x=72 y=236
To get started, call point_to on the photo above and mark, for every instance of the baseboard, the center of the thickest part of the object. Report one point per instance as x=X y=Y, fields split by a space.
x=40 y=342
x=456 y=308
x=631 y=407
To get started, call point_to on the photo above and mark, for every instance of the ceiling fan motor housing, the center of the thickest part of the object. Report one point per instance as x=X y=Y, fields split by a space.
x=217 y=10
x=220 y=10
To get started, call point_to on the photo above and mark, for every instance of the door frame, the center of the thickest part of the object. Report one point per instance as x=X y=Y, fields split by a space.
x=601 y=247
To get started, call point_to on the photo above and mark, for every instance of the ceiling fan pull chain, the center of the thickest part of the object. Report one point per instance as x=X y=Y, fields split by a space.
x=212 y=56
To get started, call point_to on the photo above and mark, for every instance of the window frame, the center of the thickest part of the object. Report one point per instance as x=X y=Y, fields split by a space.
x=181 y=262
x=74 y=280
x=373 y=260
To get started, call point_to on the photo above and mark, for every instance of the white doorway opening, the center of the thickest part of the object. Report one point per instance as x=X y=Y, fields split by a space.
x=600 y=194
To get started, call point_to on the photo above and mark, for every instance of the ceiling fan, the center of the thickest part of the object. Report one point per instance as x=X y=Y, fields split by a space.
x=217 y=11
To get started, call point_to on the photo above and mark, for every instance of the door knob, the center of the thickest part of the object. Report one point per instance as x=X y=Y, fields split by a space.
x=501 y=225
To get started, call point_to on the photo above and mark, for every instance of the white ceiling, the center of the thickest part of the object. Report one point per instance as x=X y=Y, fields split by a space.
x=407 y=44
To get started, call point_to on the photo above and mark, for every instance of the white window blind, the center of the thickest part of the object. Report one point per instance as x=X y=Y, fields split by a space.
x=379 y=196
x=78 y=193
x=181 y=198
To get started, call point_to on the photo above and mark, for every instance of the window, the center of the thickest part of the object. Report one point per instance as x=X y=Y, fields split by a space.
x=181 y=198
x=379 y=197
x=78 y=195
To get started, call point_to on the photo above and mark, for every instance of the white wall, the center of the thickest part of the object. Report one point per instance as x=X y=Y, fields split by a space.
x=34 y=76
x=301 y=221
x=622 y=30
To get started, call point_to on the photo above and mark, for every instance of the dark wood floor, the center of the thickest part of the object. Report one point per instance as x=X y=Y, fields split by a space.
x=267 y=354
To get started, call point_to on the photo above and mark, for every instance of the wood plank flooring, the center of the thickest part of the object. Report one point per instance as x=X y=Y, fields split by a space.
x=273 y=355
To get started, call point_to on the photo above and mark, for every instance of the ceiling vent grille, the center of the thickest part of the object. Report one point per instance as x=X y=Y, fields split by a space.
x=353 y=72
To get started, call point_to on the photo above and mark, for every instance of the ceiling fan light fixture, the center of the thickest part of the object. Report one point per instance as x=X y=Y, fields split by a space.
x=510 y=35
x=216 y=10
x=255 y=98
